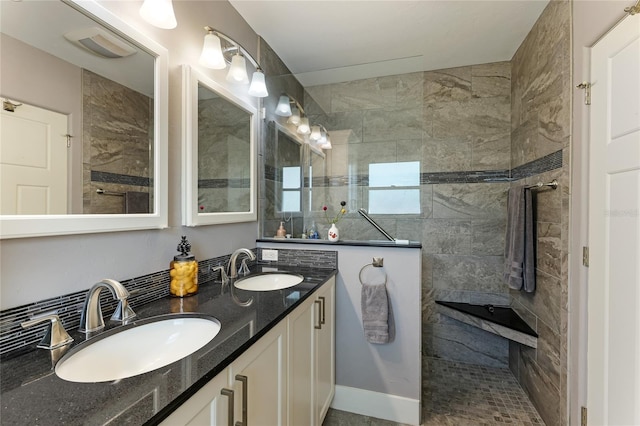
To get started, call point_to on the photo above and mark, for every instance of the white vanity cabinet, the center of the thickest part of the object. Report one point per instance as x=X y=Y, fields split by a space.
x=255 y=384
x=311 y=357
x=285 y=378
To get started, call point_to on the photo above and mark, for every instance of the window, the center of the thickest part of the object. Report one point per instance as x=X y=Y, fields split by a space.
x=394 y=188
x=291 y=189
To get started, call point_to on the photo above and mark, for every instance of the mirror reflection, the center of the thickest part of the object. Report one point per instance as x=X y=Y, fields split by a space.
x=224 y=154
x=78 y=115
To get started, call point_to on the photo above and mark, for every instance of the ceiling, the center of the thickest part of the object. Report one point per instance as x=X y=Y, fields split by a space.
x=331 y=41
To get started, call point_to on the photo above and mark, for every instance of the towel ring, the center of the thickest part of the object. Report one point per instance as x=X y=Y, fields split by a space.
x=377 y=263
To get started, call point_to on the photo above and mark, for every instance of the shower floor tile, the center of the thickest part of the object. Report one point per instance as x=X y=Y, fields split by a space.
x=458 y=394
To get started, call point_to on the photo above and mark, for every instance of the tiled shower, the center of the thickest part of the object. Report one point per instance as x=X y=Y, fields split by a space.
x=473 y=131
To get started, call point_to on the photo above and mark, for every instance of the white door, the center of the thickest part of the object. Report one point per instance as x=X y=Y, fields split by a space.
x=614 y=228
x=33 y=161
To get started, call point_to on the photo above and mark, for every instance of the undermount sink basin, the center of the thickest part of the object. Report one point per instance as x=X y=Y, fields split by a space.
x=137 y=348
x=267 y=281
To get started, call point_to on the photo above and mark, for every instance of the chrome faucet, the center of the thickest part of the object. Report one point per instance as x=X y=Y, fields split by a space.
x=91 y=319
x=233 y=272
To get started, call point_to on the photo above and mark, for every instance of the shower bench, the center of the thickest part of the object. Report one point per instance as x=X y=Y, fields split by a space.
x=499 y=320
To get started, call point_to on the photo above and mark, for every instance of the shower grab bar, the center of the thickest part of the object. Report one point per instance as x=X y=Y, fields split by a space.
x=364 y=214
x=104 y=192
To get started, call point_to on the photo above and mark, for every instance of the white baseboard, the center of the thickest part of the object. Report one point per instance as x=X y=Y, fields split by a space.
x=375 y=404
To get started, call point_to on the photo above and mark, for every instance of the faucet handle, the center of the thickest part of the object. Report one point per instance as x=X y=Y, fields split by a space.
x=223 y=274
x=56 y=336
x=244 y=269
x=123 y=312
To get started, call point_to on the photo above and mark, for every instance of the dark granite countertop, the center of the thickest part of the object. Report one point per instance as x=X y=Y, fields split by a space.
x=31 y=393
x=363 y=243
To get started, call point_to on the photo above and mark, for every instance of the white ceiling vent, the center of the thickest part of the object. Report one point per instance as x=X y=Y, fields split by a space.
x=100 y=42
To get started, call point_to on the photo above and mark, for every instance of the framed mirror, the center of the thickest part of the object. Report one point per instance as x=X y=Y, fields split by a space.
x=105 y=85
x=219 y=153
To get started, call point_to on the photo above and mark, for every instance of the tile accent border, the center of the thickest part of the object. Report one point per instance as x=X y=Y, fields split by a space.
x=544 y=164
x=108 y=177
x=547 y=163
x=296 y=257
x=223 y=183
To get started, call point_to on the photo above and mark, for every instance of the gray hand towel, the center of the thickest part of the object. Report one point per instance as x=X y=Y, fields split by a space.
x=519 y=254
x=377 y=315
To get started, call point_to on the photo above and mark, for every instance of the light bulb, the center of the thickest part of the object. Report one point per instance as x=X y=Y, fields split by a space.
x=211 y=56
x=159 y=13
x=258 y=87
x=284 y=107
x=303 y=127
x=238 y=70
x=295 y=116
x=315 y=133
x=326 y=144
x=323 y=137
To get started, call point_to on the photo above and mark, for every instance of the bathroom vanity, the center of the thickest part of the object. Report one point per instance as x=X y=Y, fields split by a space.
x=274 y=354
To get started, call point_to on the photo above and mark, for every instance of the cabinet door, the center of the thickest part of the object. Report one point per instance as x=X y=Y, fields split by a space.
x=260 y=400
x=325 y=351
x=301 y=364
x=208 y=407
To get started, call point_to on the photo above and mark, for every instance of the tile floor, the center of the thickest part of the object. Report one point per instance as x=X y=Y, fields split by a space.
x=457 y=394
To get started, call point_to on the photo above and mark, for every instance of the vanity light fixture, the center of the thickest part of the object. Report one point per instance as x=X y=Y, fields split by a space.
x=219 y=49
x=238 y=70
x=284 y=107
x=295 y=116
x=303 y=127
x=159 y=13
x=315 y=133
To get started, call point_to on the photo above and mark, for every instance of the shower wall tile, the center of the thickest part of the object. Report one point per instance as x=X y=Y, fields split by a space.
x=446 y=236
x=447 y=154
x=346 y=127
x=317 y=99
x=477 y=116
x=543 y=394
x=457 y=341
x=409 y=89
x=548 y=353
x=487 y=236
x=392 y=123
x=476 y=273
x=372 y=93
x=549 y=250
x=491 y=152
x=489 y=80
x=545 y=302
x=453 y=84
x=473 y=200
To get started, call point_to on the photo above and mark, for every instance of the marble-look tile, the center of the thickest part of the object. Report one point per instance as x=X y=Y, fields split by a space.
x=545 y=302
x=487 y=236
x=543 y=394
x=477 y=273
x=317 y=99
x=470 y=201
x=514 y=359
x=409 y=89
x=270 y=61
x=344 y=127
x=410 y=150
x=371 y=93
x=526 y=315
x=453 y=84
x=548 y=353
x=493 y=79
x=549 y=250
x=477 y=116
x=548 y=205
x=393 y=123
x=446 y=236
x=464 y=343
x=491 y=152
x=447 y=154
x=483 y=298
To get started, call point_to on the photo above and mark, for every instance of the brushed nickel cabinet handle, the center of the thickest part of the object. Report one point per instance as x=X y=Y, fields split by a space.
x=323 y=304
x=229 y=394
x=319 y=325
x=245 y=399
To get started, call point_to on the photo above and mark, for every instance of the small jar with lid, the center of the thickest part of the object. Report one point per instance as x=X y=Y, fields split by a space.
x=184 y=271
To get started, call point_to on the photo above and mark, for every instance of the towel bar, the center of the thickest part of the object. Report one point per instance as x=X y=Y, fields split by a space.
x=103 y=192
x=553 y=184
x=376 y=263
